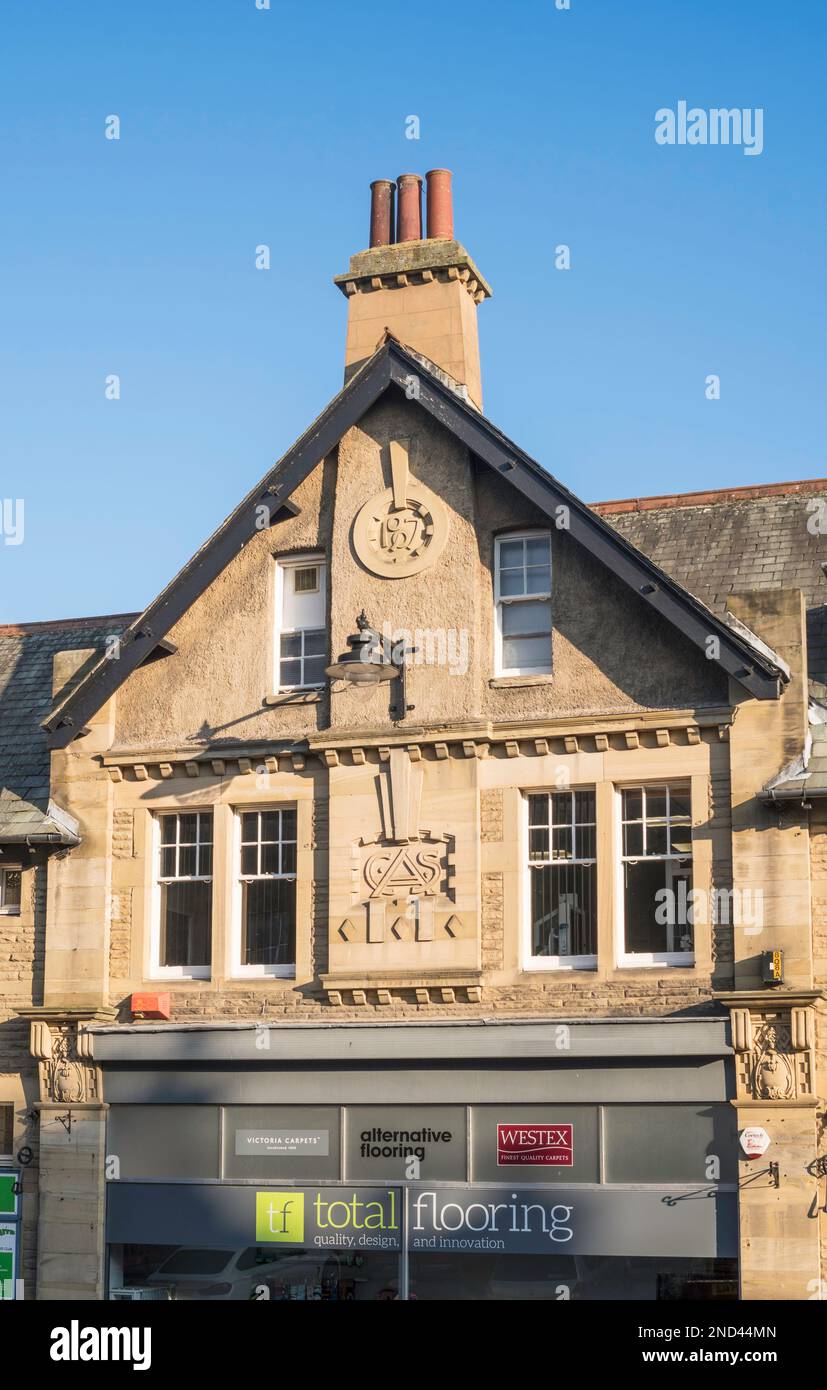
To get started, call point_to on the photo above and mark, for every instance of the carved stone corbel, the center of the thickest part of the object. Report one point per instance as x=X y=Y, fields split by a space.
x=775 y=1051
x=64 y=1056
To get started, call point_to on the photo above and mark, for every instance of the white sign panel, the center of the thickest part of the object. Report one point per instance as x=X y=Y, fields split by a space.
x=754 y=1141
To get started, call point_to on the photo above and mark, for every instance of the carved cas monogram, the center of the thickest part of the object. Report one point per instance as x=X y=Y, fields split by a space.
x=400 y=869
x=404 y=529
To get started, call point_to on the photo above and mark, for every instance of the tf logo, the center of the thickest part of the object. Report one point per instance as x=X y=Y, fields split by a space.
x=280 y=1216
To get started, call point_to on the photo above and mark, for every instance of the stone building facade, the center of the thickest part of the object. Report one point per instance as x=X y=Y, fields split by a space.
x=426 y=795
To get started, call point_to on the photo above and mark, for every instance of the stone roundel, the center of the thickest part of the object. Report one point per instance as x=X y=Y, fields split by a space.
x=395 y=542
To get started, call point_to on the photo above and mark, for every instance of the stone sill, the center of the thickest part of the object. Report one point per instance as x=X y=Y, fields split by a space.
x=518 y=682
x=401 y=979
x=293 y=697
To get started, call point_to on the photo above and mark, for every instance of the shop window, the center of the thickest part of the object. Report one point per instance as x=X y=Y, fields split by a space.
x=301 y=613
x=266 y=890
x=184 y=894
x=562 y=879
x=656 y=856
x=254 y=1272
x=10 y=885
x=522 y=589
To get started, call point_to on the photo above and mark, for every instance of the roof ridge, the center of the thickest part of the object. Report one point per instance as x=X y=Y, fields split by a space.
x=711 y=496
x=63 y=624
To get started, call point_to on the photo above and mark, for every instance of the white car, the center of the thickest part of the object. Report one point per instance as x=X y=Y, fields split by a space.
x=238 y=1274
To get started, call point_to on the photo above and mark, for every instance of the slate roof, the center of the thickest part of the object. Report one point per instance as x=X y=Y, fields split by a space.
x=728 y=542
x=26 y=655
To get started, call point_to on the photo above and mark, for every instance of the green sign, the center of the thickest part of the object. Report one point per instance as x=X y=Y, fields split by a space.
x=8 y=1195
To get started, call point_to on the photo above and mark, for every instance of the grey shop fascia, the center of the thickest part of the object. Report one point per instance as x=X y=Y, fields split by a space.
x=463 y=1137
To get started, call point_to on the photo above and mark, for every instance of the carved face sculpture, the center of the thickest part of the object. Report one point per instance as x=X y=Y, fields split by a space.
x=67 y=1084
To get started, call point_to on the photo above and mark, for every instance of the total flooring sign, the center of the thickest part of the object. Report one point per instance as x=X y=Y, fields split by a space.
x=535 y=1146
x=347 y=1218
x=572 y=1221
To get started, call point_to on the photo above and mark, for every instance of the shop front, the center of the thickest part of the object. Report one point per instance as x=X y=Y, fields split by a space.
x=334 y=1177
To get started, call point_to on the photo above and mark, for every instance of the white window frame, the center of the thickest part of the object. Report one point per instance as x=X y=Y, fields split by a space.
x=649 y=959
x=294 y=562
x=501 y=601
x=157 y=971
x=10 y=909
x=540 y=963
x=238 y=970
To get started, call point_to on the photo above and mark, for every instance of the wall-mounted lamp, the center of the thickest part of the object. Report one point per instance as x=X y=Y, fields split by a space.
x=371 y=659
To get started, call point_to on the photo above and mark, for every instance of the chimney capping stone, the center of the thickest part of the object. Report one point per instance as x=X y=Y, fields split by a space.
x=410 y=257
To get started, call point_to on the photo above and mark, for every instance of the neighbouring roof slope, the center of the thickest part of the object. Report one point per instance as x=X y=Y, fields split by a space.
x=736 y=540
x=27 y=651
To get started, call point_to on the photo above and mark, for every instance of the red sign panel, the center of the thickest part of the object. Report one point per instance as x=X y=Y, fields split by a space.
x=540 y=1145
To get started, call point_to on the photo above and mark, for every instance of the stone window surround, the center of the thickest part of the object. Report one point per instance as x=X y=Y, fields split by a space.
x=225 y=804
x=513 y=777
x=606 y=773
x=610 y=902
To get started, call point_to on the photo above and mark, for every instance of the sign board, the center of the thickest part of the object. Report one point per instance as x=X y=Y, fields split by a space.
x=382 y=1140
x=268 y=1142
x=8 y=1193
x=335 y=1218
x=535 y=1145
x=549 y=1143
x=8 y=1249
x=244 y=1216
x=754 y=1141
x=485 y=1219
x=310 y=1142
x=571 y=1221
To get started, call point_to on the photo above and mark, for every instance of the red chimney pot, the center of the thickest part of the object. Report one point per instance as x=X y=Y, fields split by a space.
x=409 y=208
x=440 y=210
x=381 y=212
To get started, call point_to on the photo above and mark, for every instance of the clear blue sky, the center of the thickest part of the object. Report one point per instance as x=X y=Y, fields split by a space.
x=242 y=126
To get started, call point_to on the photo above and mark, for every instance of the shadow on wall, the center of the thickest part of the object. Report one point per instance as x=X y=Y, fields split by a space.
x=632 y=647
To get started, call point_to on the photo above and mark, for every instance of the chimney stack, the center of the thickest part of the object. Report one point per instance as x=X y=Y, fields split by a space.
x=425 y=290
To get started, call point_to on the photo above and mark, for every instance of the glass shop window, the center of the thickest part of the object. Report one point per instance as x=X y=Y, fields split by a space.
x=562 y=870
x=657 y=876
